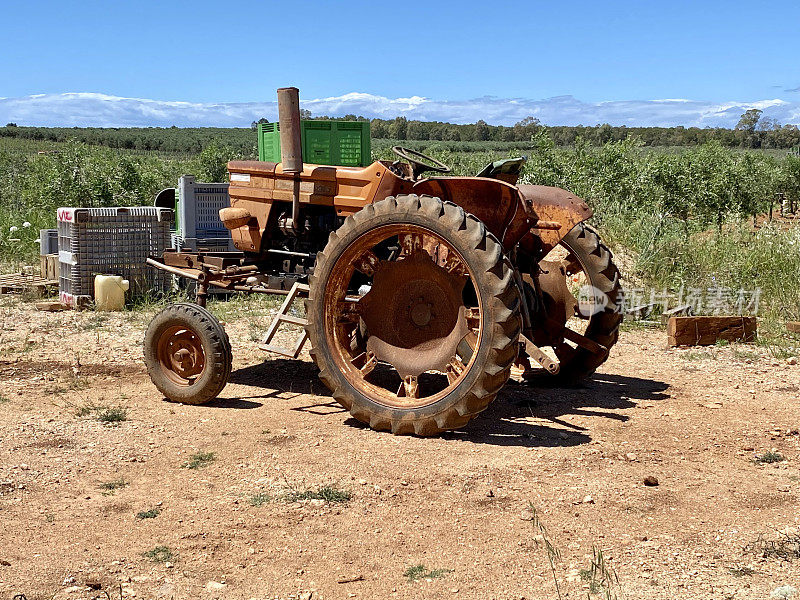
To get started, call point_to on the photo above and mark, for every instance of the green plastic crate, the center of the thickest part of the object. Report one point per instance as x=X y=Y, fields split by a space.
x=343 y=143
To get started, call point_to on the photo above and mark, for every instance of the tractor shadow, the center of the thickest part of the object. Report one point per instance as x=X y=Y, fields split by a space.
x=281 y=378
x=507 y=420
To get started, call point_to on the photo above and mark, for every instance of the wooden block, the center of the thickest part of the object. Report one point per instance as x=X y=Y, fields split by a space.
x=51 y=306
x=793 y=326
x=704 y=331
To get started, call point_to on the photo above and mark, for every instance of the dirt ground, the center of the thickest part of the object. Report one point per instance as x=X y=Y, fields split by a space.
x=459 y=505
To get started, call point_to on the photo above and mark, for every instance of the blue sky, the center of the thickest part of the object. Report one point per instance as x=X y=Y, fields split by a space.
x=721 y=55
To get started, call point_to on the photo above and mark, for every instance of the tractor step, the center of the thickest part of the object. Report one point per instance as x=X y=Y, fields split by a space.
x=282 y=317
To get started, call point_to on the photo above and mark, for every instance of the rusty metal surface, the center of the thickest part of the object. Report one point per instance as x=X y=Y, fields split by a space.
x=180 y=354
x=235 y=217
x=414 y=314
x=554 y=206
x=549 y=365
x=413 y=317
x=495 y=203
x=289 y=121
x=558 y=305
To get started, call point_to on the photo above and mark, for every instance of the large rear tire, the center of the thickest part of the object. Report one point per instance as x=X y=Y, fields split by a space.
x=187 y=353
x=444 y=244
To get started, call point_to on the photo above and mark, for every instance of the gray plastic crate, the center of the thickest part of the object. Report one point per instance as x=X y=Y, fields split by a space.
x=48 y=241
x=111 y=241
x=198 y=206
x=208 y=244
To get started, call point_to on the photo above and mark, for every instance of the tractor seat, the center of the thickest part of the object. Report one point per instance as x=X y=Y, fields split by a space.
x=507 y=170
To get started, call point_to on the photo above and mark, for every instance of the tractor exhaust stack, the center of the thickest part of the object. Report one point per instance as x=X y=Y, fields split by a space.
x=289 y=120
x=291 y=144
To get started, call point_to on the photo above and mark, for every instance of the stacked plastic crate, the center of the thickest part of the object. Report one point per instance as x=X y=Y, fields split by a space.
x=198 y=225
x=111 y=241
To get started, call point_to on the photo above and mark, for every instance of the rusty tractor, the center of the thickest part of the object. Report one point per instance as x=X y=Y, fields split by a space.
x=421 y=292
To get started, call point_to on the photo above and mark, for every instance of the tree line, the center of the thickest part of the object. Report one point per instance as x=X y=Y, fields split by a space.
x=753 y=131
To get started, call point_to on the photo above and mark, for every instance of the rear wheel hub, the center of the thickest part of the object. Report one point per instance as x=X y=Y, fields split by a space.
x=414 y=314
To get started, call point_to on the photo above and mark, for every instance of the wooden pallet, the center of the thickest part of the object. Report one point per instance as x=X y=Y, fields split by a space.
x=18 y=283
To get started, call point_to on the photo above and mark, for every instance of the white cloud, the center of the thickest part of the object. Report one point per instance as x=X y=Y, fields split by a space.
x=86 y=109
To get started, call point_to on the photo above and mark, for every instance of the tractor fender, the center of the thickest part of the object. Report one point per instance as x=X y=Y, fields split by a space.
x=496 y=203
x=536 y=216
x=552 y=213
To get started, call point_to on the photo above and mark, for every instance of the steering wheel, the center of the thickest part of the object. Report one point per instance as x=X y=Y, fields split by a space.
x=418 y=167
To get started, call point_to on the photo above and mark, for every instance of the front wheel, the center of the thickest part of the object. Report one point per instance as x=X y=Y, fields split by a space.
x=413 y=315
x=187 y=353
x=588 y=304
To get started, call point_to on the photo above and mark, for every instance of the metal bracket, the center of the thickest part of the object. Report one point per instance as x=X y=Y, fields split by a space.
x=540 y=357
x=585 y=342
x=282 y=317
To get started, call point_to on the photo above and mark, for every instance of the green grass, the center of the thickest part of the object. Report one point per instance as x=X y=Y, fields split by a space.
x=108 y=415
x=326 y=493
x=750 y=355
x=159 y=554
x=96 y=321
x=768 y=458
x=112 y=415
x=148 y=514
x=600 y=576
x=87 y=409
x=418 y=572
x=680 y=216
x=3 y=399
x=110 y=487
x=200 y=460
x=260 y=499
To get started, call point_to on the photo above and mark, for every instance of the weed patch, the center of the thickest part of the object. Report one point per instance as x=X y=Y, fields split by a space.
x=418 y=572
x=109 y=487
x=328 y=493
x=768 y=458
x=3 y=399
x=108 y=415
x=699 y=355
x=148 y=514
x=601 y=578
x=786 y=546
x=553 y=553
x=112 y=415
x=159 y=554
x=200 y=460
x=751 y=355
x=86 y=409
x=260 y=499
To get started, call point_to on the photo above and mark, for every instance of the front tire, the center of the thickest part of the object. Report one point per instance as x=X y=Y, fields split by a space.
x=340 y=337
x=597 y=263
x=187 y=353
